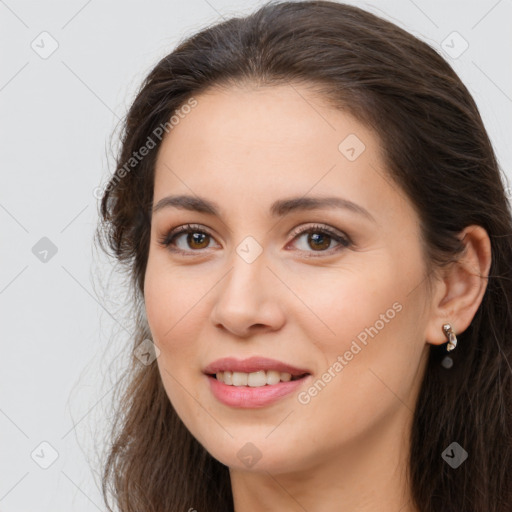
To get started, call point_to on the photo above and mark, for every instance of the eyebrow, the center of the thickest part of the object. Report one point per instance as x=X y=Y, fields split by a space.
x=279 y=208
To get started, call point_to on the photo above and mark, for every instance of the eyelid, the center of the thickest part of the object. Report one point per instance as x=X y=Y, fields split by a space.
x=343 y=240
x=336 y=233
x=165 y=240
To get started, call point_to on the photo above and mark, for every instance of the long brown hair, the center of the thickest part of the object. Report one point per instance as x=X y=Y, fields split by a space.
x=437 y=151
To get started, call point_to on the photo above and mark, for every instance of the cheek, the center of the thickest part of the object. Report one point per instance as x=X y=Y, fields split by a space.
x=368 y=337
x=176 y=316
x=373 y=300
x=166 y=310
x=340 y=304
x=160 y=306
x=170 y=300
x=369 y=374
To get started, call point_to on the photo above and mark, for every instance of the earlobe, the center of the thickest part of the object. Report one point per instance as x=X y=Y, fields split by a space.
x=461 y=290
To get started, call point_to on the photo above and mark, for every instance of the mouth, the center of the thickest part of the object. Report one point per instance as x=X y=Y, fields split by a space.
x=254 y=372
x=255 y=379
x=255 y=388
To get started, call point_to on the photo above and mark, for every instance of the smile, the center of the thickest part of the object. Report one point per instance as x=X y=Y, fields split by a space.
x=255 y=379
x=250 y=397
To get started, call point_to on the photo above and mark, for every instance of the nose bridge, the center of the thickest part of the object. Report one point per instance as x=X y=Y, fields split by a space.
x=247 y=295
x=247 y=278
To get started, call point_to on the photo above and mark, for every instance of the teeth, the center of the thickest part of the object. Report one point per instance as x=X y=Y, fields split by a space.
x=227 y=377
x=286 y=377
x=254 y=379
x=239 y=379
x=257 y=379
x=274 y=377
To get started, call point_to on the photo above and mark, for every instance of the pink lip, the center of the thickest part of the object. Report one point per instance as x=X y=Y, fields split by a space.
x=246 y=396
x=252 y=398
x=253 y=364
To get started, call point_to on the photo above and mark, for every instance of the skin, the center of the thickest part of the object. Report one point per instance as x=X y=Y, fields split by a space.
x=347 y=448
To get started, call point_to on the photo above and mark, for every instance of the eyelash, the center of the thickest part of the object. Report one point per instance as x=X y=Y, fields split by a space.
x=168 y=239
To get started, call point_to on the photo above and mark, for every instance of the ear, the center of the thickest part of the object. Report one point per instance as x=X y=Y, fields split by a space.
x=458 y=293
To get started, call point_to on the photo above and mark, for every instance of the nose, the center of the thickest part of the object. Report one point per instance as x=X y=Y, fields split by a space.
x=249 y=299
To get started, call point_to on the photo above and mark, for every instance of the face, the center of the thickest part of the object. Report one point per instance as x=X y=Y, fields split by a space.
x=334 y=290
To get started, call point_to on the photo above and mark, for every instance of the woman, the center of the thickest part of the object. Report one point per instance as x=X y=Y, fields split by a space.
x=315 y=226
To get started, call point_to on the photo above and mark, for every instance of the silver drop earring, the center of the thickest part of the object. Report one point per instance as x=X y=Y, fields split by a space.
x=452 y=339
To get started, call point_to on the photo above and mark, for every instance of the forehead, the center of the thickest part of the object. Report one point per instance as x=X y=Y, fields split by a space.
x=279 y=117
x=256 y=131
x=245 y=144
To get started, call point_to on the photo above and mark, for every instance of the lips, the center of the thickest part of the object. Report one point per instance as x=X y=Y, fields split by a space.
x=252 y=364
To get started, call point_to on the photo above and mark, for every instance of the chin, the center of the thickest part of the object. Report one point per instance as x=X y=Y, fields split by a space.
x=258 y=456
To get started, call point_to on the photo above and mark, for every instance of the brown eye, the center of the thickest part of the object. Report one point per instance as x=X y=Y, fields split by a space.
x=320 y=238
x=195 y=240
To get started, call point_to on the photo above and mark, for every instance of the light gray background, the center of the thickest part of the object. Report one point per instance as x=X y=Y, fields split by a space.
x=57 y=116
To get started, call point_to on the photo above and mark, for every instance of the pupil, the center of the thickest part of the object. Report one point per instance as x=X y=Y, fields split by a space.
x=315 y=237
x=196 y=236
